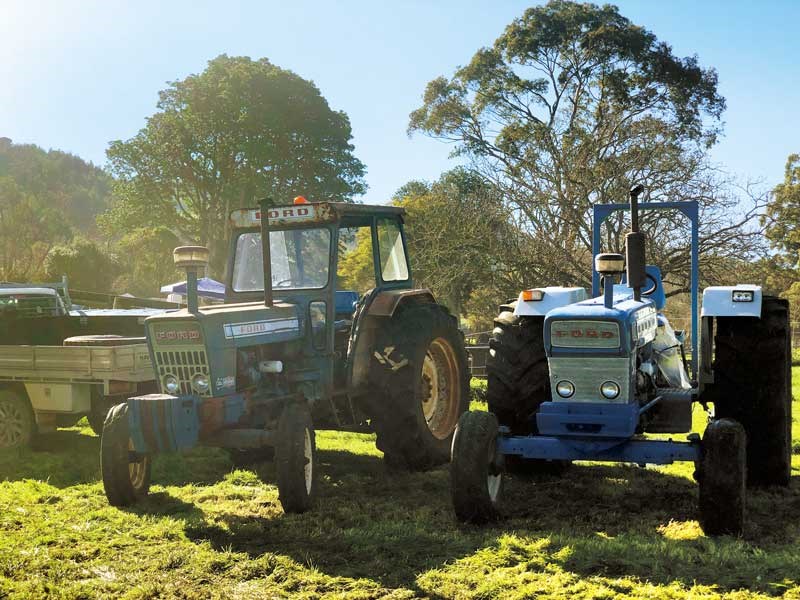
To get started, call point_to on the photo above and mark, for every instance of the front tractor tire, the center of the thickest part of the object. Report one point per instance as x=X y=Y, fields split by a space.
x=722 y=478
x=419 y=380
x=126 y=474
x=296 y=458
x=753 y=385
x=476 y=477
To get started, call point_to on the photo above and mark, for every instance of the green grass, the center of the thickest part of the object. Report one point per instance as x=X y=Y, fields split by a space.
x=603 y=531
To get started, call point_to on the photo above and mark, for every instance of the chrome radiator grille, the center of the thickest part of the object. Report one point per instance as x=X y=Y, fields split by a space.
x=587 y=374
x=183 y=364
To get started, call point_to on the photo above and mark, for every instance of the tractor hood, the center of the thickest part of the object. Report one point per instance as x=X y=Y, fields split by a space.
x=228 y=325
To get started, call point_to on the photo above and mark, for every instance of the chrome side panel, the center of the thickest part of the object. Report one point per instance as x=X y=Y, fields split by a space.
x=587 y=374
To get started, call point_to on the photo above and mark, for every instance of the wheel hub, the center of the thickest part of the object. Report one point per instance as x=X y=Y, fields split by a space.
x=12 y=424
x=438 y=391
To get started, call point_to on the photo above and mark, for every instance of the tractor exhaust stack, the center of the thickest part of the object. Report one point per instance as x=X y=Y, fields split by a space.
x=635 y=248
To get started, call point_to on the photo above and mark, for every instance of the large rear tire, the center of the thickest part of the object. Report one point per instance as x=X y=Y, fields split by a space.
x=126 y=475
x=476 y=477
x=17 y=421
x=296 y=458
x=753 y=385
x=721 y=478
x=518 y=377
x=419 y=379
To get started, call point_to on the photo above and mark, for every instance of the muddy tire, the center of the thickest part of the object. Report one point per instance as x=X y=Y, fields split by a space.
x=296 y=458
x=126 y=475
x=476 y=478
x=721 y=477
x=518 y=377
x=419 y=386
x=17 y=421
x=753 y=385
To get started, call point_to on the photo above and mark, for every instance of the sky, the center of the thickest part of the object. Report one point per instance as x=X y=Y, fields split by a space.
x=76 y=75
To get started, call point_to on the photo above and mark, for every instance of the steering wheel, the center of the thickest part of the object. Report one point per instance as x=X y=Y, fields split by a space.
x=649 y=291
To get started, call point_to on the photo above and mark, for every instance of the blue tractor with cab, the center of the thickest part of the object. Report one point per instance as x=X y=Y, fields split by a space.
x=574 y=378
x=259 y=374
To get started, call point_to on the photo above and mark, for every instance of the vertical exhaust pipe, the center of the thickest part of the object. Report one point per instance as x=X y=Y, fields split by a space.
x=191 y=258
x=635 y=248
x=266 y=257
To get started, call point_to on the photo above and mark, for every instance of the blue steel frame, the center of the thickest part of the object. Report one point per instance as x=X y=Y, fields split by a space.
x=691 y=210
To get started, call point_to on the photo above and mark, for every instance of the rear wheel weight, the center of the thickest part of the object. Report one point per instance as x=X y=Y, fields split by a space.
x=17 y=421
x=419 y=380
x=721 y=478
x=752 y=385
x=475 y=476
x=296 y=458
x=126 y=475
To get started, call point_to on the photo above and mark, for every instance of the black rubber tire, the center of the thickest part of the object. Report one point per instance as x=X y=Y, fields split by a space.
x=753 y=385
x=17 y=421
x=722 y=478
x=518 y=376
x=473 y=461
x=115 y=459
x=394 y=404
x=295 y=493
x=103 y=340
x=99 y=410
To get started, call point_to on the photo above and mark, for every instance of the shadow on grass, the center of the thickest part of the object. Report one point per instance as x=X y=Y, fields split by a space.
x=608 y=521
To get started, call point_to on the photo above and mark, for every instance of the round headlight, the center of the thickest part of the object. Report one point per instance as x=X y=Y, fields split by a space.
x=200 y=383
x=565 y=389
x=609 y=390
x=171 y=384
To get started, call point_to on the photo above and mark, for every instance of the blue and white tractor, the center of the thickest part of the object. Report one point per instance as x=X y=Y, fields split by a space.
x=571 y=378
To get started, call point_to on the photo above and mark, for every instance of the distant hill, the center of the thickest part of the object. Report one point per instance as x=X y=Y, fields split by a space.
x=61 y=181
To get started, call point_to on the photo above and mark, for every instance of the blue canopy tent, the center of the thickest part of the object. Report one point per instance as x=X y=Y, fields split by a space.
x=206 y=288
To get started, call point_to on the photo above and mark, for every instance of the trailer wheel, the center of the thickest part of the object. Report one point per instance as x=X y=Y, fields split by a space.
x=753 y=385
x=722 y=475
x=518 y=376
x=476 y=478
x=126 y=475
x=17 y=421
x=419 y=378
x=296 y=458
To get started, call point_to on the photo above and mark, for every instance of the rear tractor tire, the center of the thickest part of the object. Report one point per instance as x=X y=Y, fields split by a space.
x=476 y=477
x=519 y=382
x=753 y=385
x=17 y=421
x=296 y=459
x=721 y=477
x=419 y=380
x=126 y=474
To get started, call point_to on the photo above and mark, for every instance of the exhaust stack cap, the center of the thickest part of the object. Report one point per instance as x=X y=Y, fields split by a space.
x=190 y=257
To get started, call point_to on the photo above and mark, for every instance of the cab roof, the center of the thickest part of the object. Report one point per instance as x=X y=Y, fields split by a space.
x=311 y=213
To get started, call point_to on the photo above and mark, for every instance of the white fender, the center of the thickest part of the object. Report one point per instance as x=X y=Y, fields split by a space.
x=546 y=299
x=732 y=301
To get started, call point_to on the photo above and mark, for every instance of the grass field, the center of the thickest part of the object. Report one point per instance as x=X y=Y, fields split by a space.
x=211 y=531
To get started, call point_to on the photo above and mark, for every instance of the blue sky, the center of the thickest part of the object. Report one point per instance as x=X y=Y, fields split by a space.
x=76 y=75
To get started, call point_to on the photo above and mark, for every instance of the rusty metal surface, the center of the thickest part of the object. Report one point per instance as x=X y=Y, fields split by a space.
x=301 y=215
x=386 y=302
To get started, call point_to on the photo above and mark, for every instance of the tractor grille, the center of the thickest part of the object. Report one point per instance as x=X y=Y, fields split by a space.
x=183 y=364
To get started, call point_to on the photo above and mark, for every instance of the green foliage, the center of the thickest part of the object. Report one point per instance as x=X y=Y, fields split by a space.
x=571 y=105
x=87 y=266
x=783 y=214
x=28 y=229
x=241 y=130
x=209 y=529
x=145 y=257
x=76 y=190
x=356 y=270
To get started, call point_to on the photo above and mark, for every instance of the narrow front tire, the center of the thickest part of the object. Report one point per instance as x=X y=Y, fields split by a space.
x=722 y=478
x=476 y=477
x=296 y=458
x=126 y=474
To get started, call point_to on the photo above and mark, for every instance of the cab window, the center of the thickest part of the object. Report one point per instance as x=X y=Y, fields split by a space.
x=391 y=251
